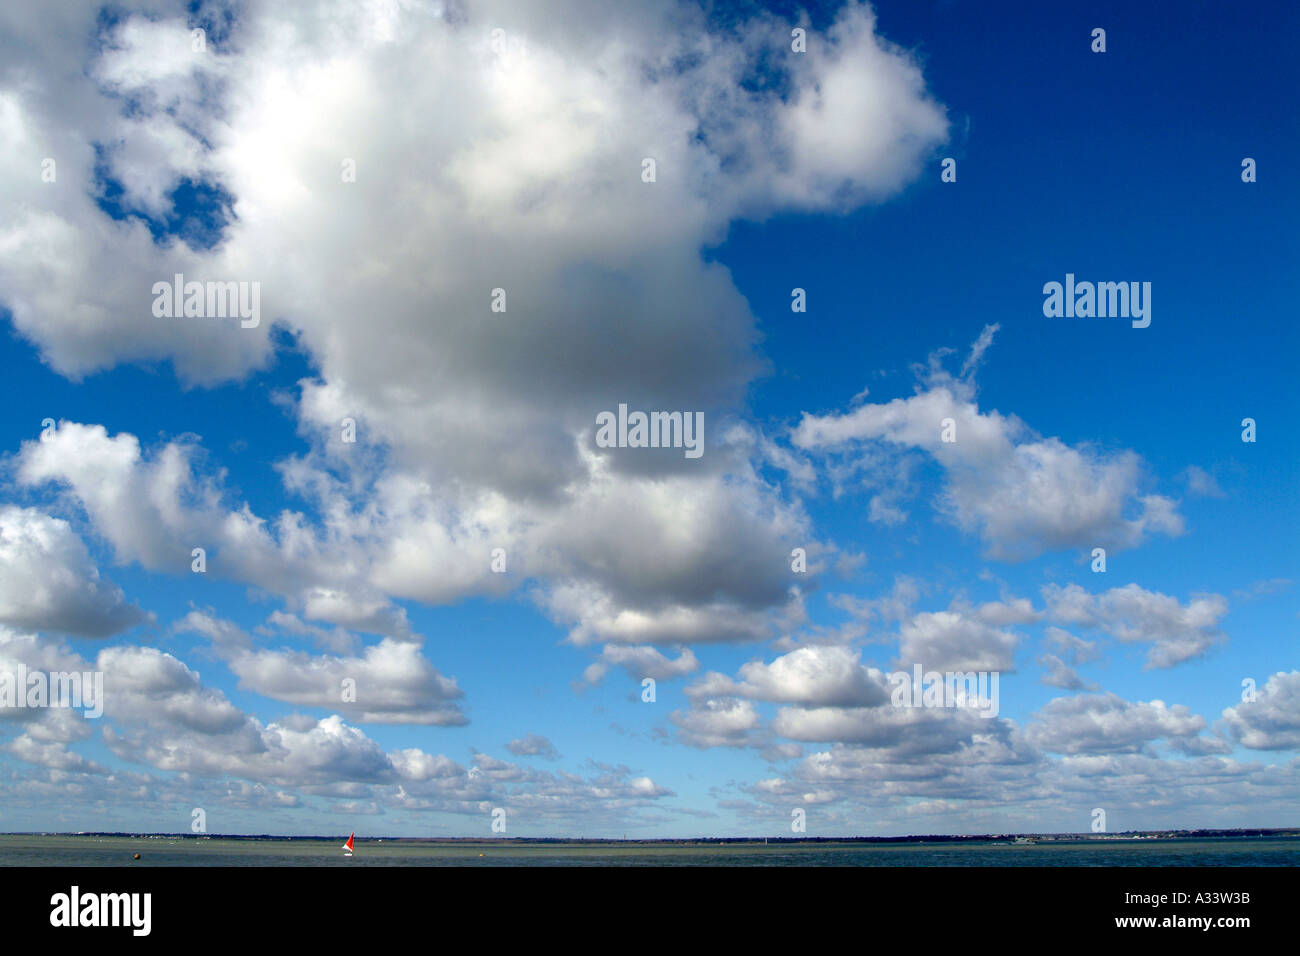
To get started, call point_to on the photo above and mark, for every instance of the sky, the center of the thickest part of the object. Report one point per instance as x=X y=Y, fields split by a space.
x=427 y=587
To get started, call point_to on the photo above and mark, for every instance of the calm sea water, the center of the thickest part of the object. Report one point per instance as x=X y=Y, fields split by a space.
x=17 y=850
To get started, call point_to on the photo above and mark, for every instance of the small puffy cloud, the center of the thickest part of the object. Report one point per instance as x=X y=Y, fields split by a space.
x=155 y=509
x=19 y=651
x=1023 y=494
x=1073 y=649
x=1201 y=484
x=394 y=683
x=414 y=764
x=824 y=675
x=534 y=745
x=1176 y=632
x=895 y=606
x=952 y=641
x=1108 y=724
x=641 y=662
x=717 y=722
x=336 y=639
x=1057 y=673
x=602 y=619
x=52 y=754
x=1007 y=612
x=1272 y=720
x=146 y=685
x=1266 y=587
x=390 y=682
x=48 y=581
x=895 y=732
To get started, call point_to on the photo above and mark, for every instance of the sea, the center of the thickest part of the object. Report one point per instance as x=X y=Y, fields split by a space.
x=119 y=851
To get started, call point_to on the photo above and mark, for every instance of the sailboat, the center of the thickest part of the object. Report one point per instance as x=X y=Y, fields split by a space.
x=347 y=847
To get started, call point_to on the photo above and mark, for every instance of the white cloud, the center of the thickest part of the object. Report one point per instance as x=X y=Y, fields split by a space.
x=48 y=581
x=641 y=662
x=475 y=427
x=390 y=682
x=717 y=722
x=1023 y=494
x=998 y=783
x=1177 y=632
x=896 y=733
x=1062 y=675
x=813 y=676
x=534 y=745
x=1108 y=724
x=952 y=641
x=1201 y=483
x=1075 y=649
x=393 y=680
x=1003 y=613
x=484 y=420
x=1272 y=720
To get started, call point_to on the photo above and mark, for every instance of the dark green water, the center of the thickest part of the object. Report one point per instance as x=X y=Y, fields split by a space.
x=17 y=850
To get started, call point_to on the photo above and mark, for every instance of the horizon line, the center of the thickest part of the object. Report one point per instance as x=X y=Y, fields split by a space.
x=916 y=837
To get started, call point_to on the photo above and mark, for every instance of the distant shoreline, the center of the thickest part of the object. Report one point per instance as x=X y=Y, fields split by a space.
x=1284 y=832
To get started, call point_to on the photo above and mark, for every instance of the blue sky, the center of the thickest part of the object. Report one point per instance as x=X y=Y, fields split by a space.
x=519 y=165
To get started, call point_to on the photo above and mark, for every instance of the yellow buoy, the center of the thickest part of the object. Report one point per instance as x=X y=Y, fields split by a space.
x=137 y=856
